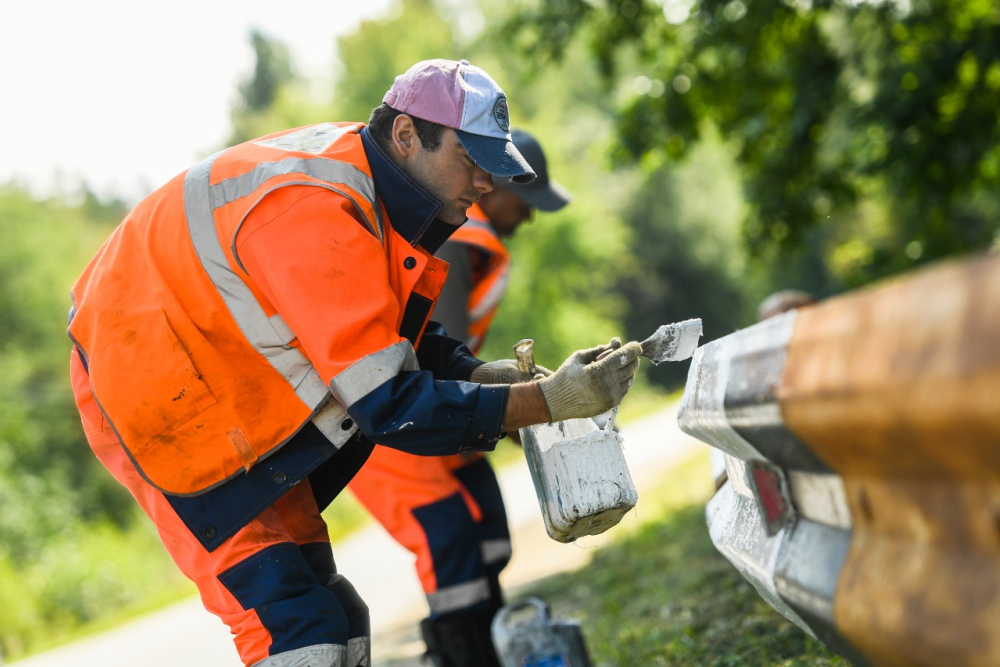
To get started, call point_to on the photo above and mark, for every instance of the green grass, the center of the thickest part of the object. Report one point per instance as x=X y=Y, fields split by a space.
x=662 y=595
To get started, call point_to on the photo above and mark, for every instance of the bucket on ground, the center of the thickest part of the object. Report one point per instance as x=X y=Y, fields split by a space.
x=524 y=635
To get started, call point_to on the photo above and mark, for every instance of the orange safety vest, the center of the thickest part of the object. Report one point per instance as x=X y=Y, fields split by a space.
x=489 y=281
x=191 y=365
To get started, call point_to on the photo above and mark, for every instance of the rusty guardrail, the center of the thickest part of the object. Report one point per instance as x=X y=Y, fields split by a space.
x=862 y=446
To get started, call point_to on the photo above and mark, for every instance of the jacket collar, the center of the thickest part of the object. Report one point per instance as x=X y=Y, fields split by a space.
x=412 y=210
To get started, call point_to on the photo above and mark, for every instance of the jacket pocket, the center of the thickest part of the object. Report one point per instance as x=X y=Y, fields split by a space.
x=147 y=384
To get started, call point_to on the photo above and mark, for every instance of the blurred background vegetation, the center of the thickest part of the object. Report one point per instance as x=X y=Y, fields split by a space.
x=717 y=151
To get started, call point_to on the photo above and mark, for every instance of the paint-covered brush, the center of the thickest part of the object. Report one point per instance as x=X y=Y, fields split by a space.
x=673 y=342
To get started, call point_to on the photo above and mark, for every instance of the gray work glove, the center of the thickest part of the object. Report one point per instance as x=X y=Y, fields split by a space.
x=584 y=387
x=505 y=371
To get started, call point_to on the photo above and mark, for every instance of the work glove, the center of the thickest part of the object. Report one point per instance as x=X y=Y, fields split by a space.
x=505 y=371
x=584 y=387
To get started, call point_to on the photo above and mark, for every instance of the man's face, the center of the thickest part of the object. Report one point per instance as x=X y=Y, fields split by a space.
x=505 y=210
x=449 y=174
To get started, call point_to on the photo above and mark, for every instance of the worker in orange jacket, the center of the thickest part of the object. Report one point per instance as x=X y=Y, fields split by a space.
x=448 y=510
x=254 y=325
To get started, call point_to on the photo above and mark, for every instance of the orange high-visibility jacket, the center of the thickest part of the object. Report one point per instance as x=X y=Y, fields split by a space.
x=189 y=361
x=490 y=280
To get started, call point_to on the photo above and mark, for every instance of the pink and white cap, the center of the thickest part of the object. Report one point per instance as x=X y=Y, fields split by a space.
x=463 y=97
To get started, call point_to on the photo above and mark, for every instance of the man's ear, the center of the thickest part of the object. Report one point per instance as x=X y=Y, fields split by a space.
x=404 y=137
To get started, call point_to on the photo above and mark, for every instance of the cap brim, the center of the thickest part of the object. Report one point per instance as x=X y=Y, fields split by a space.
x=497 y=156
x=549 y=197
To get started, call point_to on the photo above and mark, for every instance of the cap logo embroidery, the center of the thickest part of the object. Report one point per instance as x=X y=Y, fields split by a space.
x=500 y=113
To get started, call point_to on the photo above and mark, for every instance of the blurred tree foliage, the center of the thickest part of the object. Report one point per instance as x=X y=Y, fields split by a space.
x=687 y=260
x=569 y=269
x=273 y=97
x=54 y=494
x=272 y=71
x=48 y=476
x=381 y=48
x=874 y=120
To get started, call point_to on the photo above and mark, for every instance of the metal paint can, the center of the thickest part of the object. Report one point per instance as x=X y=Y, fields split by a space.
x=579 y=471
x=524 y=635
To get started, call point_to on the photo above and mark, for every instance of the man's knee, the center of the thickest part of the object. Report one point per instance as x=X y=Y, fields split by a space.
x=356 y=652
x=358 y=618
x=306 y=609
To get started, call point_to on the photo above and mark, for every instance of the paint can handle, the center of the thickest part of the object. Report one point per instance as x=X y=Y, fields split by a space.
x=525 y=357
x=540 y=616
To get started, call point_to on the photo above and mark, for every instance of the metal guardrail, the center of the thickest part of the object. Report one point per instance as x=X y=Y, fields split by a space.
x=862 y=446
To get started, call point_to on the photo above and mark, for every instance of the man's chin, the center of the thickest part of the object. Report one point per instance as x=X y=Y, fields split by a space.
x=456 y=217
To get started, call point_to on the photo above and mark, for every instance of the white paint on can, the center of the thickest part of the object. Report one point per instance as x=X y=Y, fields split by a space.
x=581 y=478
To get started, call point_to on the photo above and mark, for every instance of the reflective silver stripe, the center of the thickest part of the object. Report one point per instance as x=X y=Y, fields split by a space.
x=330 y=422
x=281 y=328
x=314 y=139
x=377 y=233
x=326 y=655
x=249 y=315
x=359 y=652
x=459 y=596
x=495 y=550
x=271 y=336
x=492 y=297
x=331 y=172
x=359 y=379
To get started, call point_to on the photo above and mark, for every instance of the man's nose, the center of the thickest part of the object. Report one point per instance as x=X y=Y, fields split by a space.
x=482 y=180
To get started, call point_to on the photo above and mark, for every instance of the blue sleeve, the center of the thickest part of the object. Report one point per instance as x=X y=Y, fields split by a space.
x=415 y=413
x=445 y=357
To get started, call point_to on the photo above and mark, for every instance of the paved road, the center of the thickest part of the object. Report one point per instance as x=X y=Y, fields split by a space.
x=186 y=635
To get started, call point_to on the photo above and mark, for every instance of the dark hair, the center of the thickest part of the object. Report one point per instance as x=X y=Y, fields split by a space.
x=380 y=125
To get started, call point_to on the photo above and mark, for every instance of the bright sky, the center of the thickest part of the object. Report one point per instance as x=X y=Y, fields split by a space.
x=126 y=94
